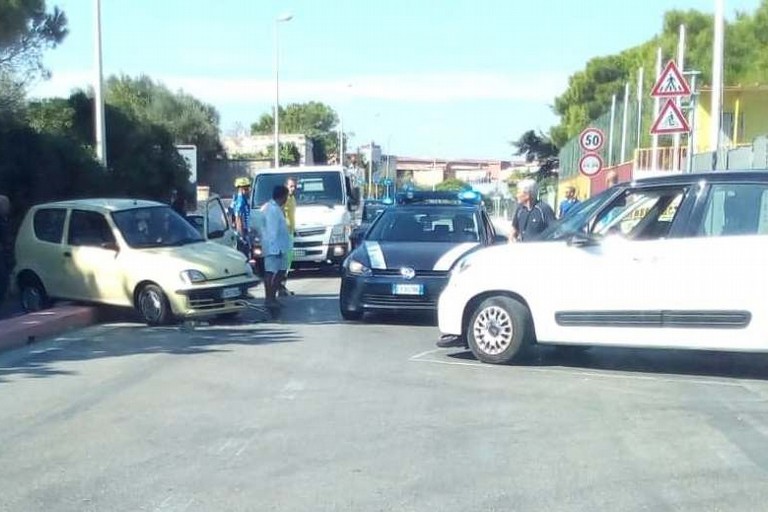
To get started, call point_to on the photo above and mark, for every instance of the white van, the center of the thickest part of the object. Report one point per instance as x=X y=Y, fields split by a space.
x=327 y=199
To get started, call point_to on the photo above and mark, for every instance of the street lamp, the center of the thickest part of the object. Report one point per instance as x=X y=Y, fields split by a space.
x=278 y=20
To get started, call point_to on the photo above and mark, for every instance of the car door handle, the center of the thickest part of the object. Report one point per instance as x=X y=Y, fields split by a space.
x=67 y=254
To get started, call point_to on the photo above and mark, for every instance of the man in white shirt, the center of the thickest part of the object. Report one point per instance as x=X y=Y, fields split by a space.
x=275 y=243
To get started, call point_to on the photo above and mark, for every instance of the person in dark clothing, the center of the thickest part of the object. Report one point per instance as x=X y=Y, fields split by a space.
x=6 y=246
x=532 y=216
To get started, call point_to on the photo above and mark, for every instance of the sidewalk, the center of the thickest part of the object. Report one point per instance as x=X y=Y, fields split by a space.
x=18 y=329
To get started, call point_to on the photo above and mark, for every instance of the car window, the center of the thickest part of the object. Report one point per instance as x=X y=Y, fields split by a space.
x=735 y=209
x=49 y=224
x=578 y=217
x=641 y=214
x=425 y=225
x=217 y=220
x=89 y=229
x=155 y=226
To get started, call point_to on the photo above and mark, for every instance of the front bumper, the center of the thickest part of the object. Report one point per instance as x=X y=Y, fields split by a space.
x=212 y=299
x=450 y=311
x=376 y=293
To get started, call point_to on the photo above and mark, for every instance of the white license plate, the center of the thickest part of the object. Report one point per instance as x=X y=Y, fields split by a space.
x=230 y=293
x=299 y=253
x=408 y=289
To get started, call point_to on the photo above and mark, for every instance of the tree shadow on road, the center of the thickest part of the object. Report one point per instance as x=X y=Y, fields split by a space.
x=645 y=361
x=39 y=361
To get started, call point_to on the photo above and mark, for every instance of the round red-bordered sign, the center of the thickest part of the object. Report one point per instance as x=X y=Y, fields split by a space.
x=590 y=164
x=591 y=139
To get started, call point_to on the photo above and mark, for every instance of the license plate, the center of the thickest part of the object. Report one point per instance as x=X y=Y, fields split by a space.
x=408 y=289
x=299 y=253
x=230 y=293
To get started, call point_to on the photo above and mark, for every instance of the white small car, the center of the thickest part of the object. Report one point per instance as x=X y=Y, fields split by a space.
x=671 y=262
x=126 y=252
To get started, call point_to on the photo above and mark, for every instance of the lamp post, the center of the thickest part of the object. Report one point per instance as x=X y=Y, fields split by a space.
x=278 y=20
x=98 y=97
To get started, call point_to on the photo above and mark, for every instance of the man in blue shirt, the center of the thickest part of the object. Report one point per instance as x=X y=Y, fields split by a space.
x=241 y=209
x=569 y=202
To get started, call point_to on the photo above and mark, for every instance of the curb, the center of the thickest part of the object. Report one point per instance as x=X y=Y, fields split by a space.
x=25 y=329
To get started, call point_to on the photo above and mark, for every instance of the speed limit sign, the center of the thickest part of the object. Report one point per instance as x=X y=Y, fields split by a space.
x=591 y=139
x=590 y=164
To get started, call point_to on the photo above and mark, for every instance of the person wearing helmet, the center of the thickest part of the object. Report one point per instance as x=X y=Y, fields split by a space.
x=241 y=209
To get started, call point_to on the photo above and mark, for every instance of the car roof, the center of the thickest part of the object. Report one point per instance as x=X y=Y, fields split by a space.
x=432 y=207
x=710 y=176
x=101 y=204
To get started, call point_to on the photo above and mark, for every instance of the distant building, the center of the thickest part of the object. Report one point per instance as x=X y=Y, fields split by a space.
x=428 y=172
x=241 y=147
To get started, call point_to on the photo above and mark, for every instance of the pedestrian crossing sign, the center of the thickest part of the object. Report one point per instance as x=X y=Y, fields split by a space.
x=671 y=120
x=671 y=83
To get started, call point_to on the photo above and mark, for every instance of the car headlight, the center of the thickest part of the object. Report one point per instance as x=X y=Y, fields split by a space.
x=339 y=234
x=192 y=276
x=356 y=268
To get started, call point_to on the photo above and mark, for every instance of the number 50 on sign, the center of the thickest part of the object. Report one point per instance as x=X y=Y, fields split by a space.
x=591 y=140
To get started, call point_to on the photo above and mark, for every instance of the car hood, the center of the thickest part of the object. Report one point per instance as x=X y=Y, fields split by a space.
x=214 y=260
x=430 y=256
x=318 y=215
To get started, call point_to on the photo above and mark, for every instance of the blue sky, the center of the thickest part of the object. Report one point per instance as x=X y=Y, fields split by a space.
x=451 y=78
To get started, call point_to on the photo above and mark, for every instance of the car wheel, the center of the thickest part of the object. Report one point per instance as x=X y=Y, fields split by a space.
x=152 y=305
x=499 y=330
x=33 y=295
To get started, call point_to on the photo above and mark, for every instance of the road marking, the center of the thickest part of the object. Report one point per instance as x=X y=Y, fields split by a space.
x=422 y=354
x=419 y=358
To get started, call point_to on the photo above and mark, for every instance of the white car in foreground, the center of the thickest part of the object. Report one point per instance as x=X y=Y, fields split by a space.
x=671 y=262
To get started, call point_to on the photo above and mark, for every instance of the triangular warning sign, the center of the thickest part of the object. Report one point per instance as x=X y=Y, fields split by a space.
x=670 y=120
x=671 y=83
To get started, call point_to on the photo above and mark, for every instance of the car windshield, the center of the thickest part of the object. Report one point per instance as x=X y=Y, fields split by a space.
x=312 y=188
x=577 y=218
x=155 y=226
x=425 y=225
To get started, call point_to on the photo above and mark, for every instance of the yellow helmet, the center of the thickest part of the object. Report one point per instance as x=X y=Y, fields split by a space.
x=242 y=182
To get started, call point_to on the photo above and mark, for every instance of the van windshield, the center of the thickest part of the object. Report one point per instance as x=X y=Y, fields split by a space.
x=319 y=188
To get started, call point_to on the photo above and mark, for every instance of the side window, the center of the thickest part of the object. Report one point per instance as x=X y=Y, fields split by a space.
x=641 y=214
x=49 y=224
x=89 y=229
x=736 y=209
x=217 y=220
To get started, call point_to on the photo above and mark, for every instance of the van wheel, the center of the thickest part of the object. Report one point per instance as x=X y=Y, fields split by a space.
x=153 y=306
x=499 y=330
x=32 y=294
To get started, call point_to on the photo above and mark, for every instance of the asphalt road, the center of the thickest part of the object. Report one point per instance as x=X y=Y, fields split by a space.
x=309 y=413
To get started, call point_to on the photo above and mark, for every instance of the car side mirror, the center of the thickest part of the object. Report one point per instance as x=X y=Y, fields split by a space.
x=216 y=234
x=111 y=246
x=500 y=239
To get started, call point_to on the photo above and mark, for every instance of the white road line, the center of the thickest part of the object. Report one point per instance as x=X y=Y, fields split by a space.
x=422 y=354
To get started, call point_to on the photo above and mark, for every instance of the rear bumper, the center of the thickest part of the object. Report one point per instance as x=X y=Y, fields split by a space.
x=376 y=293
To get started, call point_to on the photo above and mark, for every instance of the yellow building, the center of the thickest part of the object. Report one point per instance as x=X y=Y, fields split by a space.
x=745 y=116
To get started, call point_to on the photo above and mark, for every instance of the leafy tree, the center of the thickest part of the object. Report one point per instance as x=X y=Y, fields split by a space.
x=534 y=146
x=26 y=29
x=289 y=153
x=187 y=119
x=314 y=119
x=453 y=184
x=143 y=161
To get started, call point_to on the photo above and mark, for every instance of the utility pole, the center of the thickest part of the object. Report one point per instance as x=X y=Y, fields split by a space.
x=98 y=107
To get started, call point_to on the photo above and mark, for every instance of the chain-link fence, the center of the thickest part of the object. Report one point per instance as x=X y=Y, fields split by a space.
x=621 y=138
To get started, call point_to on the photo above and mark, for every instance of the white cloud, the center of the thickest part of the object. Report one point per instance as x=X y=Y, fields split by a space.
x=427 y=87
